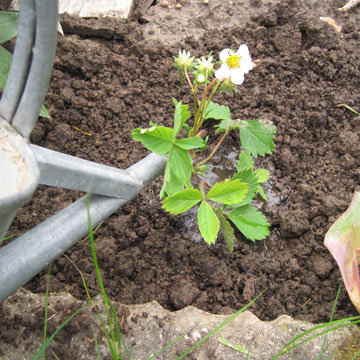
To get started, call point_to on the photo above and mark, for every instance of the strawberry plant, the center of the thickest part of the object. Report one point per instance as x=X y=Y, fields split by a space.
x=228 y=203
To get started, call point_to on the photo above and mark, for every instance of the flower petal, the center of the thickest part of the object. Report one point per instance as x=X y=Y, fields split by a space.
x=223 y=73
x=246 y=65
x=224 y=54
x=237 y=76
x=243 y=50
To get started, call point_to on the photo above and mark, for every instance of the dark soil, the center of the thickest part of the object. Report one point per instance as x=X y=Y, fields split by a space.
x=107 y=81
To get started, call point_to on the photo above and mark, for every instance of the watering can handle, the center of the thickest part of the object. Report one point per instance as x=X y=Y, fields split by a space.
x=31 y=67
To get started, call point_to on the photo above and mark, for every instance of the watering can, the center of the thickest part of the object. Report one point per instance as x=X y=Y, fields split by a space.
x=24 y=165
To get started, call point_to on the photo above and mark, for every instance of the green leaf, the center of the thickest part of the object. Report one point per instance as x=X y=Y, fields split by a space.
x=262 y=175
x=190 y=143
x=251 y=222
x=178 y=171
x=257 y=137
x=200 y=170
x=228 y=192
x=188 y=129
x=181 y=164
x=248 y=176
x=228 y=231
x=261 y=192
x=158 y=139
x=245 y=161
x=228 y=125
x=8 y=25
x=44 y=112
x=239 y=348
x=217 y=112
x=180 y=116
x=171 y=184
x=208 y=223
x=5 y=62
x=182 y=201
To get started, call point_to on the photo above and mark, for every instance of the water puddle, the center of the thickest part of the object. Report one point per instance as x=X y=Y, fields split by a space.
x=223 y=167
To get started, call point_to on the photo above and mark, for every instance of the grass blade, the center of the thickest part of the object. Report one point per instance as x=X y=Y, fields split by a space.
x=331 y=319
x=51 y=338
x=168 y=346
x=349 y=108
x=108 y=338
x=101 y=284
x=356 y=355
x=82 y=278
x=46 y=305
x=7 y=238
x=348 y=322
x=238 y=348
x=55 y=356
x=232 y=317
x=119 y=337
x=96 y=344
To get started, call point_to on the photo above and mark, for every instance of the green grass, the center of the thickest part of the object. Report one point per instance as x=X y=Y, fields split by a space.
x=319 y=330
x=3 y=240
x=349 y=108
x=309 y=335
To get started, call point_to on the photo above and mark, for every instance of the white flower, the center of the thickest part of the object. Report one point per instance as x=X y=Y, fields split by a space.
x=184 y=60
x=205 y=66
x=235 y=64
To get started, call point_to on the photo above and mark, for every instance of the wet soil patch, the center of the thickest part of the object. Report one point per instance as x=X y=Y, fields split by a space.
x=108 y=80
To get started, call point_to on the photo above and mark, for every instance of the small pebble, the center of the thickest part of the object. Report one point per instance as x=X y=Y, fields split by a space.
x=165 y=4
x=178 y=6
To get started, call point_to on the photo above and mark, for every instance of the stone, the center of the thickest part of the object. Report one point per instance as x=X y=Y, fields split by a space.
x=93 y=8
x=149 y=327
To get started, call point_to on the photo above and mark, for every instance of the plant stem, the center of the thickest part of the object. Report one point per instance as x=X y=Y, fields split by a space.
x=211 y=84
x=201 y=133
x=203 y=105
x=194 y=92
x=211 y=95
x=188 y=79
x=202 y=183
x=214 y=151
x=197 y=116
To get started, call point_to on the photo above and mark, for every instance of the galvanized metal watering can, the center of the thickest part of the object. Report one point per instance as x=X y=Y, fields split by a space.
x=23 y=166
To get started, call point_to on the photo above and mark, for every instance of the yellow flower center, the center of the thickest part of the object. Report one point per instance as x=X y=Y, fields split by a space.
x=233 y=61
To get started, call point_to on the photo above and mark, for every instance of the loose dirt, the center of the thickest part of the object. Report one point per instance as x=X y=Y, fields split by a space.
x=109 y=78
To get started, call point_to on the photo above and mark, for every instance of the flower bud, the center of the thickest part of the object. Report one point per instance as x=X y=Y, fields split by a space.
x=200 y=78
x=227 y=86
x=184 y=60
x=205 y=66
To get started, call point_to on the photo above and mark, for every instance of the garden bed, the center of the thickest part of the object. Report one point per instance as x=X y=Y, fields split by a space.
x=111 y=76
